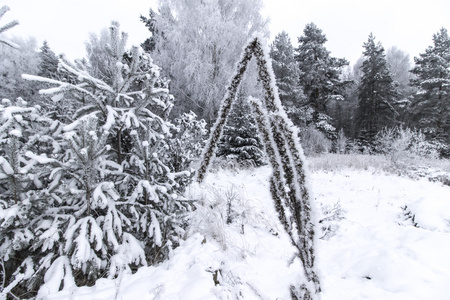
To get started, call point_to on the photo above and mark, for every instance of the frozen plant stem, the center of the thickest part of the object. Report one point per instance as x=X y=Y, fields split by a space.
x=288 y=181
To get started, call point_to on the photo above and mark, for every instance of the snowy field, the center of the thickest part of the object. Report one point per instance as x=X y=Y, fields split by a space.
x=381 y=237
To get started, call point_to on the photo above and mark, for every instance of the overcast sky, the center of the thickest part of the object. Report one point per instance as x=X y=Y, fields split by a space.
x=409 y=25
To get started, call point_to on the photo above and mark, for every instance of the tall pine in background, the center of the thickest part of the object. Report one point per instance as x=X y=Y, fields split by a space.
x=430 y=106
x=286 y=70
x=48 y=66
x=377 y=92
x=320 y=75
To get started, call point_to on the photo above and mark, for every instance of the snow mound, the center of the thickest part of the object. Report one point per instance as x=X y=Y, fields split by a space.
x=432 y=212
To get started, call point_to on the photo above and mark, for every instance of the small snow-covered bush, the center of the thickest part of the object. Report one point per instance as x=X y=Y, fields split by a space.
x=187 y=142
x=314 y=141
x=329 y=222
x=218 y=208
x=210 y=215
x=399 y=143
x=223 y=211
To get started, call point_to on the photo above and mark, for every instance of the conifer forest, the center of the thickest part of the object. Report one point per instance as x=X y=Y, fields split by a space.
x=214 y=162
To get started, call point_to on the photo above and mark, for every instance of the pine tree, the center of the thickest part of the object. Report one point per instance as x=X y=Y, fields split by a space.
x=94 y=204
x=240 y=140
x=48 y=65
x=320 y=77
x=430 y=106
x=150 y=43
x=319 y=72
x=286 y=71
x=377 y=92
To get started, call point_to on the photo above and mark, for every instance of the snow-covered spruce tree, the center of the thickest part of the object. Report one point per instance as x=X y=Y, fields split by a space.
x=48 y=66
x=118 y=203
x=151 y=23
x=430 y=106
x=287 y=160
x=240 y=140
x=23 y=132
x=377 y=92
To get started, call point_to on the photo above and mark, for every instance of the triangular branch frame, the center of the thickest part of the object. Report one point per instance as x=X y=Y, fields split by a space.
x=288 y=185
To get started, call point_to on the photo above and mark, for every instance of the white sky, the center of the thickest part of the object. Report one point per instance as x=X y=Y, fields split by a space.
x=409 y=25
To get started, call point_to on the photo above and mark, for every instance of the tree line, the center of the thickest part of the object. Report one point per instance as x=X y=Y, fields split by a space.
x=197 y=44
x=380 y=92
x=321 y=93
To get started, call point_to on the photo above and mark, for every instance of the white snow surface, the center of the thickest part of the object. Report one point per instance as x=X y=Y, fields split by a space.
x=372 y=249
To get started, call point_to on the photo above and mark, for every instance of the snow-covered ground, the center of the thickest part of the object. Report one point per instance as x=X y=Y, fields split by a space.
x=382 y=237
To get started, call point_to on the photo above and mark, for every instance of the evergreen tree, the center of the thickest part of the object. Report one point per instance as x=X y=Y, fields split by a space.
x=430 y=106
x=286 y=71
x=400 y=65
x=76 y=204
x=344 y=112
x=377 y=92
x=319 y=72
x=240 y=140
x=48 y=65
x=24 y=188
x=150 y=43
x=319 y=75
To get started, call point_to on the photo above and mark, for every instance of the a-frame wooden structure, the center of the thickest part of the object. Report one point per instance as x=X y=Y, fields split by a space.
x=288 y=184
